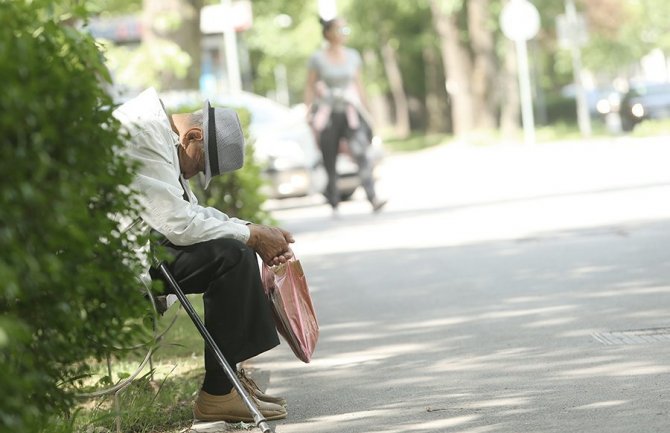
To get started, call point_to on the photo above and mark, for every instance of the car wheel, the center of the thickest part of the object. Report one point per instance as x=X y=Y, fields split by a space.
x=627 y=125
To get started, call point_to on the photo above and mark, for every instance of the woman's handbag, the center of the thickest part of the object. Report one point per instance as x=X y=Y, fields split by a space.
x=292 y=309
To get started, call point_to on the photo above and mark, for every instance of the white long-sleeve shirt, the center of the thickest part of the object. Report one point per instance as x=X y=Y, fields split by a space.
x=154 y=144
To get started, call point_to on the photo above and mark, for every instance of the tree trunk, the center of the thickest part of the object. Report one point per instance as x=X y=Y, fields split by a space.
x=437 y=100
x=177 y=21
x=378 y=104
x=394 y=76
x=457 y=68
x=483 y=73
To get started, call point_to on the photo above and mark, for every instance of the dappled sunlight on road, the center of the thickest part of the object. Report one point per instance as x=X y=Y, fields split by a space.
x=478 y=303
x=635 y=290
x=527 y=312
x=601 y=404
x=484 y=336
x=436 y=425
x=617 y=369
x=343 y=422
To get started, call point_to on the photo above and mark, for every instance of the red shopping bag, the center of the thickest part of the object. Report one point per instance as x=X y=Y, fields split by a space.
x=292 y=309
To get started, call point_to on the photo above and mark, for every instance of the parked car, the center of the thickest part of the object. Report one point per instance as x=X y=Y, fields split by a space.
x=644 y=101
x=285 y=146
x=594 y=96
x=609 y=107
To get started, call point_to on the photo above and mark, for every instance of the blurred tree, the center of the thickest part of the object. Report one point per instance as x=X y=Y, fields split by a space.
x=623 y=31
x=448 y=16
x=114 y=7
x=437 y=100
x=169 y=53
x=620 y=33
x=482 y=24
x=393 y=52
x=284 y=33
x=389 y=53
x=174 y=25
x=388 y=37
x=609 y=47
x=401 y=52
x=419 y=79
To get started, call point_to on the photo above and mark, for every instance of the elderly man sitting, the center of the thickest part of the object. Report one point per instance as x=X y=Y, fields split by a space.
x=211 y=253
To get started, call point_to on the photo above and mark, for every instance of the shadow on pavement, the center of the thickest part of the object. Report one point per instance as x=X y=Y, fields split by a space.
x=490 y=337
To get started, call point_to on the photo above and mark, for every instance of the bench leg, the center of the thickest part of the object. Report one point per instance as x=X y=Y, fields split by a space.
x=259 y=419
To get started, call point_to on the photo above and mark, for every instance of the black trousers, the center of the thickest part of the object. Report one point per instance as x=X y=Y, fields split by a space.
x=237 y=313
x=329 y=142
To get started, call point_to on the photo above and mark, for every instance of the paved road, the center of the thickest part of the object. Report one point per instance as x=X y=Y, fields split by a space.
x=512 y=289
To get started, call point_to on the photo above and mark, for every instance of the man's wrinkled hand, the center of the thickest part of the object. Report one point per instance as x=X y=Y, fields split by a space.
x=271 y=243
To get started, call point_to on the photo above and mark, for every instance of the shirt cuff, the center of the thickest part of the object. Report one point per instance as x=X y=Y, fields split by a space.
x=244 y=233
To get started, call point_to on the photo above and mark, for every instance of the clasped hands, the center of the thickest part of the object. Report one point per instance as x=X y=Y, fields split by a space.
x=271 y=243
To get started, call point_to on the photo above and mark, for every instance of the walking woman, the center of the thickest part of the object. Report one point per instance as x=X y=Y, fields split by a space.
x=335 y=99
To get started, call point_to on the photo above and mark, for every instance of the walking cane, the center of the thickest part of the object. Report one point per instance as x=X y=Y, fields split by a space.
x=259 y=419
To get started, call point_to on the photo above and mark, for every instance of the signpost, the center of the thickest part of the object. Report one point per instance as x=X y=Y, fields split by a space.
x=228 y=18
x=232 y=60
x=520 y=22
x=572 y=34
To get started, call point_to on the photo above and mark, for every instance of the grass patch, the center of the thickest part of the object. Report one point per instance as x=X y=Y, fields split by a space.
x=416 y=141
x=651 y=128
x=568 y=131
x=558 y=131
x=555 y=132
x=154 y=403
x=146 y=406
x=543 y=134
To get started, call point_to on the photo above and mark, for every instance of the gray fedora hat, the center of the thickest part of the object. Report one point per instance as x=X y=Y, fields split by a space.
x=224 y=141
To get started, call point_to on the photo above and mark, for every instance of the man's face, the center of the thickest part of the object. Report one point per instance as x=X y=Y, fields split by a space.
x=192 y=156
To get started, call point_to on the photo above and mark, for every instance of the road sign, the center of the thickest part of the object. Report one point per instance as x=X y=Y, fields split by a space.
x=217 y=18
x=520 y=20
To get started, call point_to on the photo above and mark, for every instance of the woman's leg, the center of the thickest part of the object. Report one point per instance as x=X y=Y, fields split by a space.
x=358 y=143
x=329 y=142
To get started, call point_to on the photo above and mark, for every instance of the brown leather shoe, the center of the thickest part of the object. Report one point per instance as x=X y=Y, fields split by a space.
x=231 y=408
x=255 y=390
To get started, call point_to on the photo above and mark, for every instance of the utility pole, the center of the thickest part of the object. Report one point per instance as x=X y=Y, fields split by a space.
x=575 y=30
x=230 y=49
x=520 y=21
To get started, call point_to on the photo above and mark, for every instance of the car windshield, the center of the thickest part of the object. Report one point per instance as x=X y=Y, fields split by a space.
x=652 y=89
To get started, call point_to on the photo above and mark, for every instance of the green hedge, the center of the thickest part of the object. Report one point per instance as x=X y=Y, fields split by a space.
x=67 y=279
x=560 y=109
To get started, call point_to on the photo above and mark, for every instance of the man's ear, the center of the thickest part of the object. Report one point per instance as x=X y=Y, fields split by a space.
x=193 y=134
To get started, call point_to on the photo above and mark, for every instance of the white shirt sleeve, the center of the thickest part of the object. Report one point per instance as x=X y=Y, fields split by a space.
x=161 y=202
